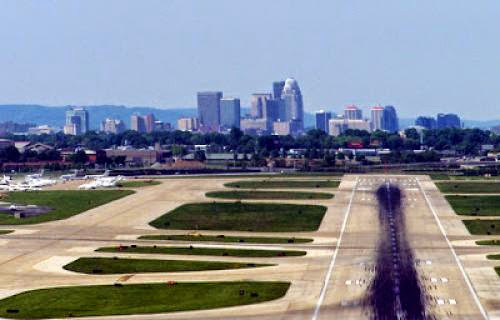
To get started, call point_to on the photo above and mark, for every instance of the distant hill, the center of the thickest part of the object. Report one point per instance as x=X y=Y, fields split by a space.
x=54 y=116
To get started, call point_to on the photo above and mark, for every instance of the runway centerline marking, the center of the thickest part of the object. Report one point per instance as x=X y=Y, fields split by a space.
x=334 y=257
x=457 y=260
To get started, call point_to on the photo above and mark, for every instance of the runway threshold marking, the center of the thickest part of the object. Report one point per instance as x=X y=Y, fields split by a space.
x=457 y=260
x=334 y=257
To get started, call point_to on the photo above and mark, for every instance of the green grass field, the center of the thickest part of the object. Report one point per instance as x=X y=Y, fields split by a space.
x=483 y=227
x=224 y=238
x=488 y=242
x=241 y=216
x=2 y=232
x=138 y=183
x=442 y=176
x=124 y=265
x=283 y=184
x=493 y=256
x=475 y=205
x=191 y=250
x=468 y=187
x=269 y=195
x=107 y=300
x=64 y=204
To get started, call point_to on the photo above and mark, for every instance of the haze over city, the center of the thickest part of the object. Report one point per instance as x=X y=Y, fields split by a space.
x=427 y=56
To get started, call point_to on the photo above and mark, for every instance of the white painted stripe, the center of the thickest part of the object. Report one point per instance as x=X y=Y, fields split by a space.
x=467 y=280
x=334 y=257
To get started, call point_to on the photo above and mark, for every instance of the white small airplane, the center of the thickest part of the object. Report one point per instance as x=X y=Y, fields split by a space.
x=37 y=181
x=6 y=180
x=101 y=182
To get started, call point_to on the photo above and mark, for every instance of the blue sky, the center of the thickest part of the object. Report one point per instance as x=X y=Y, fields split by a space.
x=422 y=56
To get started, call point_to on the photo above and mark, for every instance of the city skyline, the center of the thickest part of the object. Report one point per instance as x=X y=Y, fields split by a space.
x=426 y=57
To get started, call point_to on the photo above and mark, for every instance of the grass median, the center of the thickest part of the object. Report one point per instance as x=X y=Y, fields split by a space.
x=64 y=203
x=475 y=205
x=269 y=195
x=493 y=256
x=488 y=242
x=283 y=184
x=2 y=232
x=224 y=238
x=469 y=187
x=483 y=227
x=439 y=176
x=241 y=216
x=124 y=265
x=138 y=183
x=191 y=250
x=108 y=300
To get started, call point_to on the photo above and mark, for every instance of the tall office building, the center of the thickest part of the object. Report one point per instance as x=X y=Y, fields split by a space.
x=258 y=104
x=149 y=122
x=426 y=122
x=209 y=110
x=390 y=120
x=377 y=113
x=278 y=89
x=112 y=126
x=292 y=103
x=142 y=124
x=351 y=112
x=229 y=113
x=137 y=123
x=78 y=119
x=188 y=124
x=449 y=120
x=322 y=120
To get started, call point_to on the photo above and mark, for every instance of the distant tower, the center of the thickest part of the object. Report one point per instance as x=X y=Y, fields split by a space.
x=258 y=104
x=278 y=89
x=322 y=120
x=351 y=112
x=79 y=119
x=137 y=123
x=449 y=120
x=390 y=120
x=209 y=109
x=377 y=117
x=229 y=113
x=293 y=104
x=426 y=122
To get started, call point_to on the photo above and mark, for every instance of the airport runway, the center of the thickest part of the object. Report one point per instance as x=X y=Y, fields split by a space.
x=331 y=282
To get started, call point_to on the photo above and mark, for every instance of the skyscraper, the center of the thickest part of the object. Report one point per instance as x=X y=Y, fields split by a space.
x=188 y=124
x=149 y=122
x=377 y=113
x=79 y=119
x=449 y=120
x=229 y=113
x=278 y=89
x=137 y=123
x=426 y=122
x=209 y=110
x=322 y=120
x=258 y=104
x=390 y=120
x=351 y=112
x=112 y=126
x=293 y=105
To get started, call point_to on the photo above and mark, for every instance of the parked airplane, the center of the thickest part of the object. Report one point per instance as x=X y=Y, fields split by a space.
x=5 y=181
x=37 y=181
x=101 y=182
